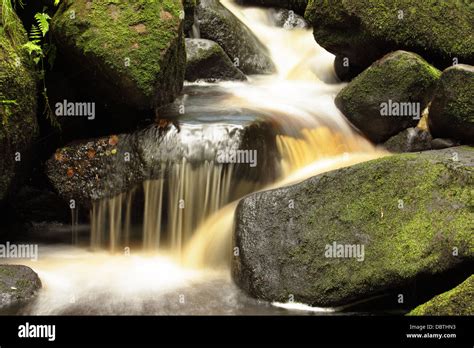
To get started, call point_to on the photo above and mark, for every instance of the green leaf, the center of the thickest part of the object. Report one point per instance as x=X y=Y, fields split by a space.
x=43 y=22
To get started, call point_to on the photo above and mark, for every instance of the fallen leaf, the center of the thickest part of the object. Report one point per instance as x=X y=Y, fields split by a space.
x=113 y=140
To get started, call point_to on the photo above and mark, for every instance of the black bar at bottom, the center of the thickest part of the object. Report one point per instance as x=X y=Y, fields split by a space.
x=291 y=330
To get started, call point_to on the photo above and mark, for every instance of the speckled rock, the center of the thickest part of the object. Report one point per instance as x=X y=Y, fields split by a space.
x=18 y=284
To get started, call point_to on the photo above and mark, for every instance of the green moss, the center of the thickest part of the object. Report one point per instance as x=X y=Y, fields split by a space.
x=18 y=123
x=131 y=39
x=401 y=77
x=385 y=25
x=361 y=205
x=458 y=301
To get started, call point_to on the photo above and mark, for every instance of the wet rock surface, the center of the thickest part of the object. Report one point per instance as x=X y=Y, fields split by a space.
x=390 y=96
x=218 y=24
x=406 y=211
x=207 y=61
x=18 y=284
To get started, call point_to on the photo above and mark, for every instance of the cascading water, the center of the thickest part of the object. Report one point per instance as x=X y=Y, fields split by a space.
x=188 y=204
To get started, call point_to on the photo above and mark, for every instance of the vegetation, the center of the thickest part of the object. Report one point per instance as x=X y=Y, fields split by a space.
x=39 y=45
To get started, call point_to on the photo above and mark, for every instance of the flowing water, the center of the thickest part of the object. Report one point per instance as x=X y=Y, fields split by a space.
x=176 y=260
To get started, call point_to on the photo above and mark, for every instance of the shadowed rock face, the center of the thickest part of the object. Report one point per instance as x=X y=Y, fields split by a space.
x=363 y=31
x=382 y=100
x=408 y=211
x=409 y=140
x=452 y=109
x=18 y=284
x=205 y=60
x=218 y=24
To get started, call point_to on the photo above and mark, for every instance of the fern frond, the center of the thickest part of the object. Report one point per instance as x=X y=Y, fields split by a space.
x=43 y=22
x=35 y=34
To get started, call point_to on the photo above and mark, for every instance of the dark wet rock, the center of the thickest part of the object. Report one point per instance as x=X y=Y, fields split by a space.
x=410 y=212
x=128 y=53
x=452 y=109
x=18 y=104
x=382 y=101
x=409 y=140
x=90 y=170
x=298 y=6
x=218 y=24
x=440 y=143
x=458 y=301
x=189 y=9
x=18 y=284
x=206 y=60
x=363 y=31
x=104 y=167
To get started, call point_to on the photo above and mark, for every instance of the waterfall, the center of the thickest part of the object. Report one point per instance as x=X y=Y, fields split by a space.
x=178 y=223
x=182 y=199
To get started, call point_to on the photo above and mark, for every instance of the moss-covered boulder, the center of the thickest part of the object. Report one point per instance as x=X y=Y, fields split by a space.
x=132 y=52
x=298 y=6
x=458 y=301
x=389 y=96
x=365 y=30
x=18 y=284
x=18 y=123
x=452 y=109
x=360 y=231
x=218 y=24
x=206 y=60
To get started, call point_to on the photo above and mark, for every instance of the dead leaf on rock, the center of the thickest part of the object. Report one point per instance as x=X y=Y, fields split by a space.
x=113 y=140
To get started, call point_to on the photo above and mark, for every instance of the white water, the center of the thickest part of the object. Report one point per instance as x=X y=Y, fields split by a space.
x=315 y=138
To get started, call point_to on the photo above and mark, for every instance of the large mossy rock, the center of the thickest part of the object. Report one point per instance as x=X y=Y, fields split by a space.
x=365 y=30
x=218 y=24
x=18 y=284
x=18 y=123
x=412 y=213
x=452 y=109
x=298 y=6
x=206 y=60
x=397 y=80
x=458 y=301
x=133 y=51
